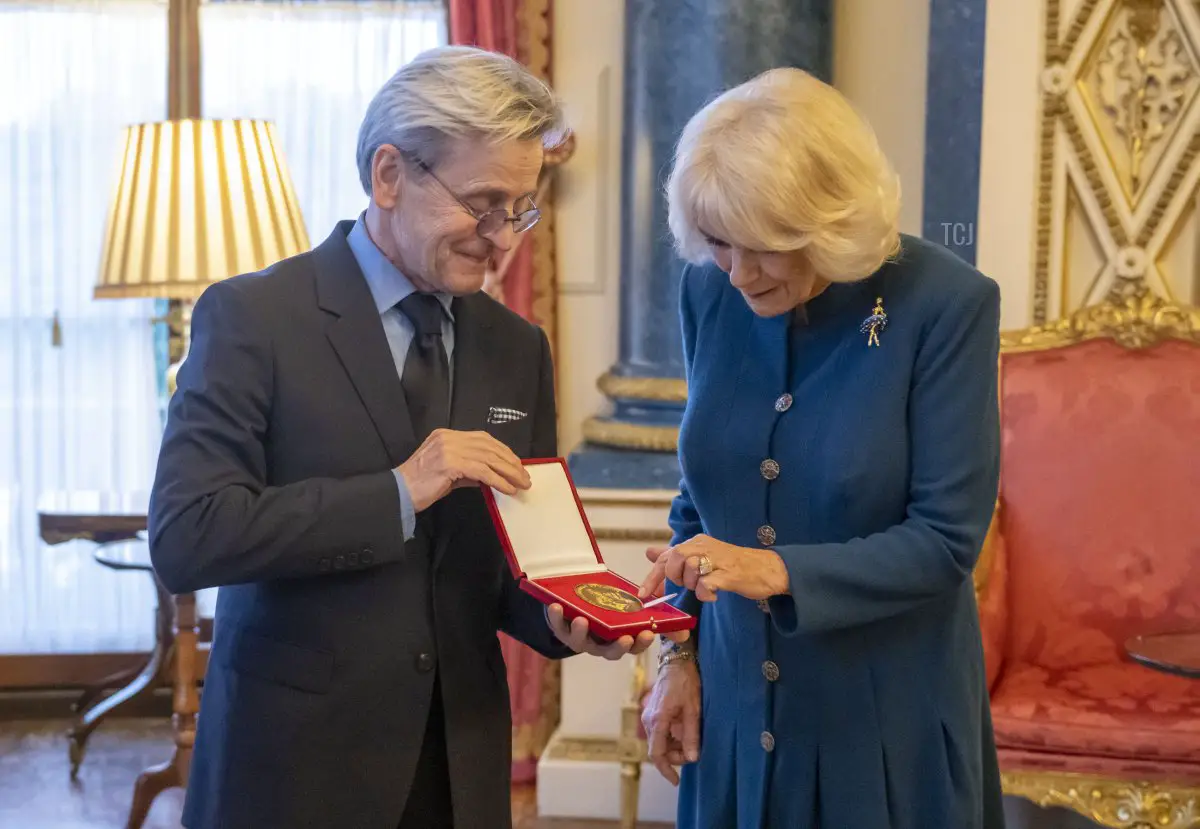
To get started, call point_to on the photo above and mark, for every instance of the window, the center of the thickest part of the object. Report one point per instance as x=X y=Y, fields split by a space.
x=83 y=414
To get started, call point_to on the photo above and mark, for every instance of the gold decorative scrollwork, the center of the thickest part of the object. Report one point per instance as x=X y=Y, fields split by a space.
x=1141 y=81
x=1113 y=803
x=595 y=749
x=1117 y=81
x=1132 y=315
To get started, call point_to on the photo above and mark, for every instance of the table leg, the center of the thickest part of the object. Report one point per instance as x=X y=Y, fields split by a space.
x=92 y=692
x=144 y=682
x=185 y=706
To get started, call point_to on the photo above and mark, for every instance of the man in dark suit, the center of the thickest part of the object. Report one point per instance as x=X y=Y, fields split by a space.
x=322 y=460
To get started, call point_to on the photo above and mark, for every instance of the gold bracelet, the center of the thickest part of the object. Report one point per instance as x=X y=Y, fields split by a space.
x=665 y=659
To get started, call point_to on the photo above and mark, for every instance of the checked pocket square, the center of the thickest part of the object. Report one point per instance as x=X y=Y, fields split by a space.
x=499 y=414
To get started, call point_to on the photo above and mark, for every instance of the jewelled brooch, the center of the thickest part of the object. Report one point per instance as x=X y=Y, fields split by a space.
x=874 y=324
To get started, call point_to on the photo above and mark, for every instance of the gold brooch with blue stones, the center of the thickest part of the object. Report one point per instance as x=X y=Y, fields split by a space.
x=873 y=325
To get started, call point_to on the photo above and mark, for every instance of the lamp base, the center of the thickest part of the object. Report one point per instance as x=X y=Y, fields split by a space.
x=181 y=346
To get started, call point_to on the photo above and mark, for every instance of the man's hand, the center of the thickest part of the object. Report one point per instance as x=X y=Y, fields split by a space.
x=448 y=460
x=672 y=719
x=575 y=636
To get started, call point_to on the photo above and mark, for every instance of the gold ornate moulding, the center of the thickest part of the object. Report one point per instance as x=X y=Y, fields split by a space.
x=1131 y=314
x=1117 y=149
x=1114 y=803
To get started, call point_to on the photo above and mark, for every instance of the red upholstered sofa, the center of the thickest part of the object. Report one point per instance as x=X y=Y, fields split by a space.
x=1096 y=539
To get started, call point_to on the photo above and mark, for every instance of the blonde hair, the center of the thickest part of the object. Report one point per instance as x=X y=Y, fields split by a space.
x=783 y=163
x=456 y=92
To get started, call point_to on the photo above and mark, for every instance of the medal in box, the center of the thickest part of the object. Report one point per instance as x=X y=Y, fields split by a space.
x=553 y=554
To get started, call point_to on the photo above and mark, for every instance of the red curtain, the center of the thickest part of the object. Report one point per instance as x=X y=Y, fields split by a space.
x=488 y=24
x=495 y=25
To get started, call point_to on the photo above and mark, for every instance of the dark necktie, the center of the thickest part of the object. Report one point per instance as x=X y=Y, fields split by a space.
x=426 y=377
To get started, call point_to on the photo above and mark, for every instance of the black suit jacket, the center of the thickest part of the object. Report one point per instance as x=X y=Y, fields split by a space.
x=274 y=481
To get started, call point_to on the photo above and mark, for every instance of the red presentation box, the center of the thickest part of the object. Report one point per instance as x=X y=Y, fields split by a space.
x=553 y=554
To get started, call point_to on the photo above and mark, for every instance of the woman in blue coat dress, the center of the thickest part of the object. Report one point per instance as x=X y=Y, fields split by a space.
x=840 y=463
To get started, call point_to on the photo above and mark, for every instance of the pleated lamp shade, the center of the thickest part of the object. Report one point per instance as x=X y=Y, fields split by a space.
x=197 y=201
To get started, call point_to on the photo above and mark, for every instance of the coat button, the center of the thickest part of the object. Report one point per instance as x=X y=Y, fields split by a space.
x=767 y=741
x=339 y=562
x=766 y=535
x=368 y=557
x=425 y=663
x=323 y=565
x=783 y=402
x=770 y=671
x=769 y=469
x=352 y=559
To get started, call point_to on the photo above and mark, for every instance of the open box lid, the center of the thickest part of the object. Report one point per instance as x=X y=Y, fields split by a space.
x=543 y=529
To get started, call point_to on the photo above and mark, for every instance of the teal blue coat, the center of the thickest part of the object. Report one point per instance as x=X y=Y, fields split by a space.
x=888 y=468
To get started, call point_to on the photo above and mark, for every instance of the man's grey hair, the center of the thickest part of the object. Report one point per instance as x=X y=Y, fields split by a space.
x=456 y=92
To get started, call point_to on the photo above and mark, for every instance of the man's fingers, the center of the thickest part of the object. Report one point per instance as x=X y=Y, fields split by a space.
x=579 y=635
x=644 y=640
x=554 y=615
x=484 y=474
x=501 y=458
x=616 y=650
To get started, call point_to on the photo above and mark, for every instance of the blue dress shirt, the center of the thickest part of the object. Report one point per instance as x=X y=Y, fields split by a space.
x=389 y=286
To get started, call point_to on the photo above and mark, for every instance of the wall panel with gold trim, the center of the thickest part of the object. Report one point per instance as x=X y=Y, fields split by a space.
x=1119 y=137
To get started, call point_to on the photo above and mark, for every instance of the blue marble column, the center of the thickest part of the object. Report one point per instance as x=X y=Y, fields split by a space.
x=954 y=123
x=679 y=54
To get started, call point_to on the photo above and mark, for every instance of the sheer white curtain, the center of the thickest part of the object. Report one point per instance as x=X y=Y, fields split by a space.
x=312 y=68
x=84 y=415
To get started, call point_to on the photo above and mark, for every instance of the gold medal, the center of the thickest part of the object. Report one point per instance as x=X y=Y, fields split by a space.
x=608 y=597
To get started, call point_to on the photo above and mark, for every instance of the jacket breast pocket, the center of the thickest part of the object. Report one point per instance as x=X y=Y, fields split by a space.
x=281 y=662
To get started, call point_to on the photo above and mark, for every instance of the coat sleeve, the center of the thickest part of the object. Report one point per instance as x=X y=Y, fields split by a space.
x=684 y=518
x=522 y=616
x=954 y=447
x=213 y=518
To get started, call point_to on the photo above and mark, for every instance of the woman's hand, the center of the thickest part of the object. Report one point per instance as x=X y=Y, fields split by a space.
x=672 y=718
x=708 y=566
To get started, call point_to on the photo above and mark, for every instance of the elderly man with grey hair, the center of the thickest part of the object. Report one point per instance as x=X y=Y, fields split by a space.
x=322 y=463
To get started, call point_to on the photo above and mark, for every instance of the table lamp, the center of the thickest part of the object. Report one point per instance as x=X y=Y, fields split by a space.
x=196 y=201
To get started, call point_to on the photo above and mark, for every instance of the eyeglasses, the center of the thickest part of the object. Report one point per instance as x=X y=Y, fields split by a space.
x=490 y=221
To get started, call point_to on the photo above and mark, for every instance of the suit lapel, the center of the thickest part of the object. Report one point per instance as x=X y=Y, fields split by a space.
x=355 y=331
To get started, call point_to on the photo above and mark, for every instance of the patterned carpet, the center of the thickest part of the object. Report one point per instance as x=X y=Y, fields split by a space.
x=36 y=791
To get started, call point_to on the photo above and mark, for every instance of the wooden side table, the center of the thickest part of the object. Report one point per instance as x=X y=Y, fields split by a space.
x=116 y=521
x=129 y=555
